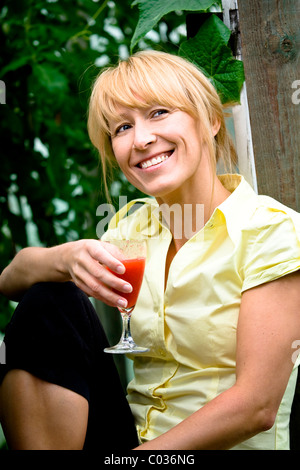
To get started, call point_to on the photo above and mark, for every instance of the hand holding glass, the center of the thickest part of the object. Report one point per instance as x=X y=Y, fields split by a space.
x=134 y=260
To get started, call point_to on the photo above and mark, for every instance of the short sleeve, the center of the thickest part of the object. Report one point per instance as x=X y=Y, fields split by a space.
x=270 y=247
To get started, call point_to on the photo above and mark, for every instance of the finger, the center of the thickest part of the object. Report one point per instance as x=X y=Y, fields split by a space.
x=114 y=281
x=108 y=255
x=98 y=273
x=100 y=291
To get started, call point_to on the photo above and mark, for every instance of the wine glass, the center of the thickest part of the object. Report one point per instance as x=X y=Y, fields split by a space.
x=133 y=256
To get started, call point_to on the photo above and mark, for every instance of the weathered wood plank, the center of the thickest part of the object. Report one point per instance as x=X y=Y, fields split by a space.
x=240 y=113
x=270 y=31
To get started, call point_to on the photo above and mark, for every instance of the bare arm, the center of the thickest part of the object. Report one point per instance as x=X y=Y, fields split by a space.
x=29 y=266
x=81 y=261
x=269 y=322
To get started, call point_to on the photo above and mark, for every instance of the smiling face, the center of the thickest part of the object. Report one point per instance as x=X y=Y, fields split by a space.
x=158 y=149
x=145 y=114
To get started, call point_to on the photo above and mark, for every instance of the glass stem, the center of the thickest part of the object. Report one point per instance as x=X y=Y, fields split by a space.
x=126 y=334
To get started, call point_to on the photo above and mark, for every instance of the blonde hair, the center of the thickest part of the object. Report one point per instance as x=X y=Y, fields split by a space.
x=157 y=78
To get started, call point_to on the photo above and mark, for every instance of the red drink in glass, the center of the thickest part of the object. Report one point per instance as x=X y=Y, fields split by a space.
x=133 y=256
x=134 y=275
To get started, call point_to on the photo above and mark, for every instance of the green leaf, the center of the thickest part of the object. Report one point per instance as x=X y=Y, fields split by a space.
x=16 y=64
x=209 y=51
x=151 y=11
x=50 y=78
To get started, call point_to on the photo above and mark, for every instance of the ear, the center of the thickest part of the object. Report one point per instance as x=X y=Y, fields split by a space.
x=216 y=127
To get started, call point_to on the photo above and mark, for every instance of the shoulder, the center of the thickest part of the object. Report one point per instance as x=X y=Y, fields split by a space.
x=250 y=215
x=269 y=216
x=265 y=235
x=270 y=242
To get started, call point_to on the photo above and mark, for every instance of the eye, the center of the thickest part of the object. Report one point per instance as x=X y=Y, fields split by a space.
x=122 y=128
x=159 y=112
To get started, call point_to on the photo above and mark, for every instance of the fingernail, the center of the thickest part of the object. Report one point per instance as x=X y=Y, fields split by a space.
x=122 y=303
x=120 y=269
x=127 y=288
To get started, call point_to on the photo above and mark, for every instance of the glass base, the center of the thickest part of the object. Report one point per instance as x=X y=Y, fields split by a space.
x=126 y=348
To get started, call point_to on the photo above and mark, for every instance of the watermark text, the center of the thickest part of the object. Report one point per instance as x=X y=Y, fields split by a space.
x=2 y=92
x=184 y=221
x=2 y=352
x=296 y=94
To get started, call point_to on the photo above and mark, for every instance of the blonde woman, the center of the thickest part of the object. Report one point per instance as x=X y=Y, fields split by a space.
x=218 y=308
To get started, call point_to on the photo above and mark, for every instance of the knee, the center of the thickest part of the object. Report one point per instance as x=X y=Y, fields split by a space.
x=49 y=317
x=45 y=292
x=54 y=299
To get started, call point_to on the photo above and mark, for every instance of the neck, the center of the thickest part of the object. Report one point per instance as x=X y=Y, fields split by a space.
x=187 y=214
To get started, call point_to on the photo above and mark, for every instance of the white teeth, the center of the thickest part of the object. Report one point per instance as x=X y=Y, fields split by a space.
x=154 y=161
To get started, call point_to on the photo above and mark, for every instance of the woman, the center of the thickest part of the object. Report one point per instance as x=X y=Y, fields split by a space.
x=218 y=307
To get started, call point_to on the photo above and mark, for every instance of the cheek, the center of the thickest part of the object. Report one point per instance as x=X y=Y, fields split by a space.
x=118 y=152
x=122 y=162
x=122 y=149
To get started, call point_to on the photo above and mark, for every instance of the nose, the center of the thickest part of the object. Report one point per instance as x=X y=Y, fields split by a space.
x=143 y=136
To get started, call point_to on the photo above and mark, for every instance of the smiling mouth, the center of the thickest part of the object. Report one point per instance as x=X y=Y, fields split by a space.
x=155 y=160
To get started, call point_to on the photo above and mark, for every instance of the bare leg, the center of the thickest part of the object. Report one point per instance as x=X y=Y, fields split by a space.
x=39 y=415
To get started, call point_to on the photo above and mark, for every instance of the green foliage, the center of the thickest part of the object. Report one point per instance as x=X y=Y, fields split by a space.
x=151 y=11
x=209 y=50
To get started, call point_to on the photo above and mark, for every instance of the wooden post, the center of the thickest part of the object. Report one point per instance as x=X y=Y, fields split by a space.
x=270 y=35
x=240 y=113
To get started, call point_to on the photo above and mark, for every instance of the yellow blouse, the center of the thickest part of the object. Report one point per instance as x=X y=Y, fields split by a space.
x=190 y=327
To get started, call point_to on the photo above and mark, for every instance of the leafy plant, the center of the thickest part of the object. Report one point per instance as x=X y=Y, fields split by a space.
x=151 y=11
x=208 y=49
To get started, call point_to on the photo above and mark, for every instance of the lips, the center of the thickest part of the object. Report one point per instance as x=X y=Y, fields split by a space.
x=155 y=160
